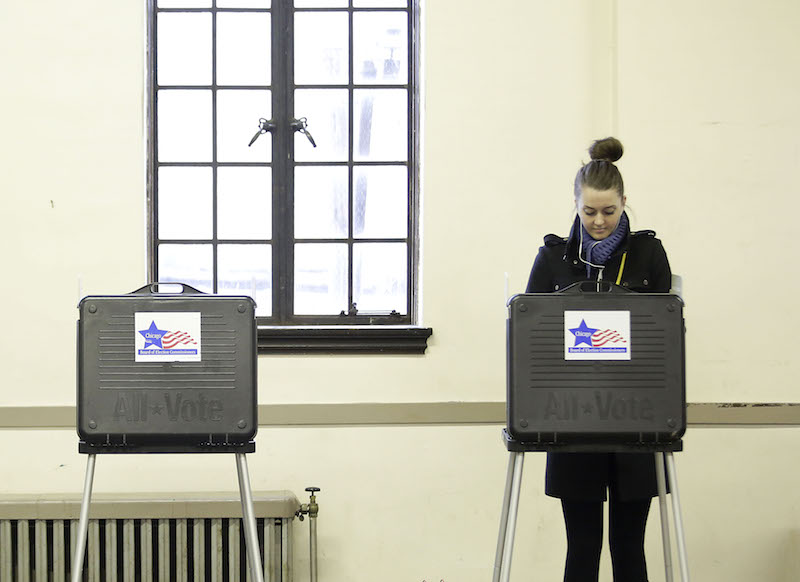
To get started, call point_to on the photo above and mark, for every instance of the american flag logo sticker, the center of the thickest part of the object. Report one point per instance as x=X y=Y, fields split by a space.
x=175 y=338
x=597 y=335
x=167 y=337
x=607 y=336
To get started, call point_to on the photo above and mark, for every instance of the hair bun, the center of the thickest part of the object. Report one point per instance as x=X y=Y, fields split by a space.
x=609 y=149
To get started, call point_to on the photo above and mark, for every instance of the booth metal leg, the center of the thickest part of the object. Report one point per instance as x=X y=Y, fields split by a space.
x=676 y=515
x=664 y=512
x=80 y=542
x=249 y=519
x=501 y=536
x=312 y=548
x=511 y=520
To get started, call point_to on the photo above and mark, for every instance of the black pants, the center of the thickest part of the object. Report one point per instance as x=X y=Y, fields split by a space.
x=626 y=525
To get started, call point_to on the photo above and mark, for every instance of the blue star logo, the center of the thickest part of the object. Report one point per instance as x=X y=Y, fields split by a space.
x=583 y=334
x=153 y=335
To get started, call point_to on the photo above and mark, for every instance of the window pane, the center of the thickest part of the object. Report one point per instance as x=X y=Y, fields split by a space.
x=380 y=201
x=320 y=202
x=326 y=110
x=244 y=203
x=321 y=48
x=184 y=3
x=243 y=48
x=320 y=279
x=243 y=3
x=379 y=277
x=245 y=270
x=190 y=264
x=184 y=126
x=380 y=3
x=184 y=203
x=184 y=48
x=238 y=112
x=381 y=122
x=380 y=47
x=320 y=3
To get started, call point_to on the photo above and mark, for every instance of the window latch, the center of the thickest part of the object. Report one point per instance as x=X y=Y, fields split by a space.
x=351 y=312
x=263 y=127
x=301 y=126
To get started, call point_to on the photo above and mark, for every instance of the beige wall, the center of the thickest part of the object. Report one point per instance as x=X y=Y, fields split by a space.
x=702 y=94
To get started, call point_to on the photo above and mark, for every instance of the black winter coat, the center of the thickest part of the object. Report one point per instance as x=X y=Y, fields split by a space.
x=586 y=476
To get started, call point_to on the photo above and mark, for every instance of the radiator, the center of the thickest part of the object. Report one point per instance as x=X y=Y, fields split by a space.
x=145 y=539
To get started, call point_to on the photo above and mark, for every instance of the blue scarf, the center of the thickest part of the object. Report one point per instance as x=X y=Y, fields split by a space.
x=598 y=252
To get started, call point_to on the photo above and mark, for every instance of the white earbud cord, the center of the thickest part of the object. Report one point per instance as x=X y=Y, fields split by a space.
x=585 y=262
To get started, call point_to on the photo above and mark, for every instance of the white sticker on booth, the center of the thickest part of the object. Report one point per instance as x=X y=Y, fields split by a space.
x=597 y=335
x=166 y=336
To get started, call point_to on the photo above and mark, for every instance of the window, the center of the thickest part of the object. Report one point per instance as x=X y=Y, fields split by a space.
x=283 y=163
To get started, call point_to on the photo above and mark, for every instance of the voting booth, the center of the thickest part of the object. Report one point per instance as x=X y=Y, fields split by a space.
x=167 y=369
x=173 y=372
x=594 y=368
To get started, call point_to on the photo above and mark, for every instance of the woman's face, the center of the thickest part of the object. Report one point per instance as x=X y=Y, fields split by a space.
x=599 y=211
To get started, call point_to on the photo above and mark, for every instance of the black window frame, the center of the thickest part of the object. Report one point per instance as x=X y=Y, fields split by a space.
x=351 y=331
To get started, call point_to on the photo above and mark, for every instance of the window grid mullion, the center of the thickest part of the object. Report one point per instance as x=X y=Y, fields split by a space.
x=351 y=8
x=412 y=166
x=350 y=158
x=339 y=240
x=210 y=87
x=214 y=181
x=218 y=164
x=153 y=144
x=282 y=157
x=289 y=144
x=215 y=9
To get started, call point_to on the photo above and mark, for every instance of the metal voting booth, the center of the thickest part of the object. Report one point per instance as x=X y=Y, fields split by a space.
x=595 y=368
x=162 y=372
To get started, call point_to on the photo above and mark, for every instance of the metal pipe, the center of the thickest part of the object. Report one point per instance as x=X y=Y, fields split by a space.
x=253 y=556
x=312 y=526
x=313 y=511
x=676 y=516
x=664 y=511
x=80 y=546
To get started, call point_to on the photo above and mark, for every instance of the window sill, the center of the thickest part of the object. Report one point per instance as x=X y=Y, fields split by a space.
x=343 y=340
